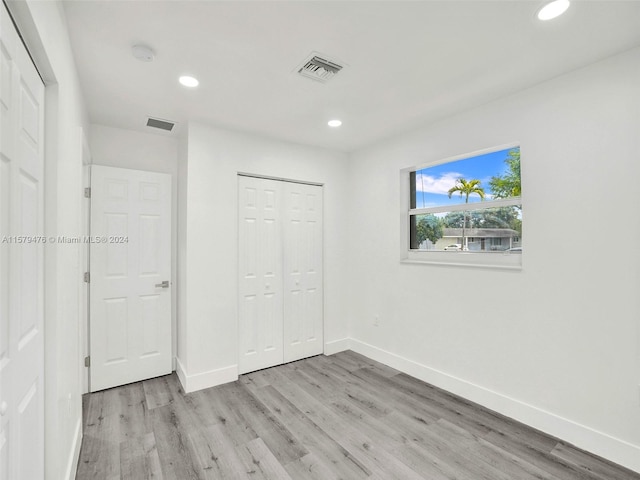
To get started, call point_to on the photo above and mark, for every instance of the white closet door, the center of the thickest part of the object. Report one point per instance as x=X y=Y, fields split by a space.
x=260 y=269
x=21 y=260
x=303 y=316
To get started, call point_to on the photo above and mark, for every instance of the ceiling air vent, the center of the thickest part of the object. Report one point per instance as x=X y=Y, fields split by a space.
x=319 y=68
x=161 y=124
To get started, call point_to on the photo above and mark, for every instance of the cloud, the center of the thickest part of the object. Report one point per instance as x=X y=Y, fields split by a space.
x=439 y=185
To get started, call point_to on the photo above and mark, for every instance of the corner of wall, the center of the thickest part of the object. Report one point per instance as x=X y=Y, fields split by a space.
x=208 y=379
x=181 y=263
x=336 y=346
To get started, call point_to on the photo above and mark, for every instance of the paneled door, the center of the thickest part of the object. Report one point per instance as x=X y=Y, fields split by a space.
x=260 y=266
x=21 y=260
x=130 y=276
x=280 y=272
x=303 y=326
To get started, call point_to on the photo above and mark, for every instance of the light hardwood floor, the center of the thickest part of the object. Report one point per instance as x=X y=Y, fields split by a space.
x=338 y=417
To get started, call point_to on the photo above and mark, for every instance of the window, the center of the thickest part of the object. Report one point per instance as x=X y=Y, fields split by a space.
x=465 y=210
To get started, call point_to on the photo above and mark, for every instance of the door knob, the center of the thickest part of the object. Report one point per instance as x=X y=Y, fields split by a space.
x=164 y=284
x=3 y=408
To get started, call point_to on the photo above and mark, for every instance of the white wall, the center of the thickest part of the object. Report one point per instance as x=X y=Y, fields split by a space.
x=562 y=351
x=116 y=147
x=42 y=24
x=215 y=157
x=555 y=344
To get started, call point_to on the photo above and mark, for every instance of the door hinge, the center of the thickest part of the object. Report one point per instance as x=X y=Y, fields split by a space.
x=87 y=277
x=87 y=192
x=87 y=361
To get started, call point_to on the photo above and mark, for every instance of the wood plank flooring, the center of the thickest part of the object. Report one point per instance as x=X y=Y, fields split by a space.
x=326 y=418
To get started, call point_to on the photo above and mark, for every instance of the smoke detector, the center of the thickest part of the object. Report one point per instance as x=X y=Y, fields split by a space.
x=143 y=53
x=319 y=67
x=161 y=124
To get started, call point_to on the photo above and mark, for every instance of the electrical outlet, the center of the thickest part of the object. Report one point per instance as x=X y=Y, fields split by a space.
x=376 y=320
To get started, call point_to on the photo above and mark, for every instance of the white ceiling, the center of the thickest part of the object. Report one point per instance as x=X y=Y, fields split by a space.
x=407 y=62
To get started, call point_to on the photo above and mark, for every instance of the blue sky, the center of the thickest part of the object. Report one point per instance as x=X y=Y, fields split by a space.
x=433 y=183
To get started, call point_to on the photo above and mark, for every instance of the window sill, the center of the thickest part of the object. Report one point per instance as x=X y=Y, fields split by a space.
x=499 y=261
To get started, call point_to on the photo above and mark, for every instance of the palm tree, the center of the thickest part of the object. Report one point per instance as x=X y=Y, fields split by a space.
x=466 y=188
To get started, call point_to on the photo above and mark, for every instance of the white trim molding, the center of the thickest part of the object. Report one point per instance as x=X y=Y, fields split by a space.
x=202 y=380
x=582 y=436
x=72 y=463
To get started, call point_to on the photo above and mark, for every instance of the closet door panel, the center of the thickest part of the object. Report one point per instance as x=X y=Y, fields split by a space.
x=303 y=293
x=260 y=271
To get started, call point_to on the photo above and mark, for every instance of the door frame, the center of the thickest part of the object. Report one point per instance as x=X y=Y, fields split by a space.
x=88 y=162
x=84 y=262
x=280 y=179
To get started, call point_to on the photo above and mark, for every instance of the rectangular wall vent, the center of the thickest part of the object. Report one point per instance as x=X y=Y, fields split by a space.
x=319 y=68
x=161 y=124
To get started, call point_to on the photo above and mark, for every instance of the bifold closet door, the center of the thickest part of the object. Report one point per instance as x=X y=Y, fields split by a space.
x=303 y=325
x=280 y=270
x=260 y=272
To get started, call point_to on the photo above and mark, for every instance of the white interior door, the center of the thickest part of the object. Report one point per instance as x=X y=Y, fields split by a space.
x=21 y=260
x=260 y=267
x=303 y=325
x=130 y=298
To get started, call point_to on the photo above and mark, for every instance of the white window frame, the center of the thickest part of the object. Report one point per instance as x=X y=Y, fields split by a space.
x=470 y=259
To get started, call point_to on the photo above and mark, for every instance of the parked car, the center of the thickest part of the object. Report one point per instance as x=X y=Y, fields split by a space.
x=513 y=250
x=454 y=247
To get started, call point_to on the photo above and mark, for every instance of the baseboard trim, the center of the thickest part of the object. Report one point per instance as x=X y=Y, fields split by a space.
x=211 y=378
x=586 y=438
x=336 y=346
x=72 y=464
x=180 y=372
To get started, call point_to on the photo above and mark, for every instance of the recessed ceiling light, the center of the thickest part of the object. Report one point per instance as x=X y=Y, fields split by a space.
x=334 y=123
x=188 y=81
x=553 y=9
